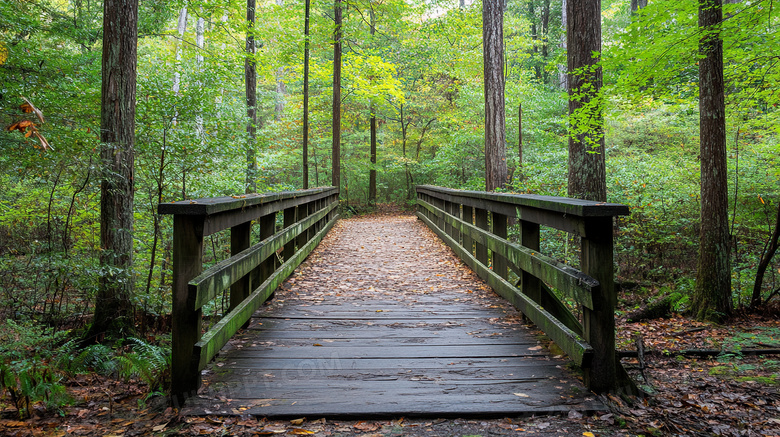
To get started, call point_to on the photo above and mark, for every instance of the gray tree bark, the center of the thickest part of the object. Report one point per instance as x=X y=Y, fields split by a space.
x=250 y=79
x=113 y=309
x=305 y=151
x=495 y=112
x=336 y=144
x=712 y=294
x=587 y=163
x=372 y=171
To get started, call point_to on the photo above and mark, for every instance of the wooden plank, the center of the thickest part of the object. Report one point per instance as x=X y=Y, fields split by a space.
x=562 y=277
x=429 y=366
x=211 y=282
x=574 y=345
x=185 y=323
x=563 y=205
x=391 y=351
x=214 y=205
x=217 y=336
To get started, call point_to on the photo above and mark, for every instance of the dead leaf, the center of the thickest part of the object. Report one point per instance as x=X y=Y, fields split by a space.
x=367 y=426
x=298 y=421
x=301 y=431
x=522 y=395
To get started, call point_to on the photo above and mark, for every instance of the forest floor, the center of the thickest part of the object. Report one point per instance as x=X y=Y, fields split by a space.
x=736 y=393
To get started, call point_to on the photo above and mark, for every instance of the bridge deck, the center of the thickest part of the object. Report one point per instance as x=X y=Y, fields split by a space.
x=383 y=320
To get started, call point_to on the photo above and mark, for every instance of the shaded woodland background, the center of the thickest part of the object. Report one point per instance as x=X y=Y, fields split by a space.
x=420 y=74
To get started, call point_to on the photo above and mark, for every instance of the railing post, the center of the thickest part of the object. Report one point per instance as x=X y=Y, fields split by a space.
x=454 y=210
x=240 y=238
x=529 y=237
x=185 y=322
x=267 y=225
x=289 y=220
x=499 y=230
x=481 y=218
x=468 y=217
x=599 y=324
x=303 y=212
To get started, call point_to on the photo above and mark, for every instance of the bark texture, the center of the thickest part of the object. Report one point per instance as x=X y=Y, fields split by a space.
x=372 y=171
x=306 y=95
x=712 y=296
x=250 y=79
x=117 y=135
x=587 y=163
x=336 y=152
x=495 y=113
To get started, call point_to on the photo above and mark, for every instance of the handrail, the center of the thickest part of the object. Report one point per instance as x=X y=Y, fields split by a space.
x=474 y=224
x=251 y=273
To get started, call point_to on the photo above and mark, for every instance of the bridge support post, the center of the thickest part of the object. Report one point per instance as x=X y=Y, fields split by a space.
x=599 y=323
x=499 y=230
x=240 y=237
x=482 y=223
x=185 y=323
x=529 y=237
x=468 y=217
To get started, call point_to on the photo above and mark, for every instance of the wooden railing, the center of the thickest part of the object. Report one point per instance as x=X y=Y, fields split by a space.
x=251 y=273
x=474 y=224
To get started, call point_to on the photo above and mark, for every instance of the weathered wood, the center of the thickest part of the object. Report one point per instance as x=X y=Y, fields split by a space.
x=217 y=336
x=185 y=323
x=529 y=238
x=240 y=239
x=468 y=217
x=499 y=223
x=289 y=220
x=562 y=277
x=599 y=321
x=193 y=220
x=560 y=213
x=574 y=345
x=218 y=277
x=481 y=221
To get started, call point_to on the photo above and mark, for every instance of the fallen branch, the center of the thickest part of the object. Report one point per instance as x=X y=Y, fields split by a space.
x=698 y=352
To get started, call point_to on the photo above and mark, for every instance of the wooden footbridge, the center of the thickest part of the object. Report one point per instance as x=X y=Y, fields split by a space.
x=383 y=320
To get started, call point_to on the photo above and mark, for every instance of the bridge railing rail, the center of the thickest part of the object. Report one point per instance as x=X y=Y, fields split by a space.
x=475 y=224
x=252 y=273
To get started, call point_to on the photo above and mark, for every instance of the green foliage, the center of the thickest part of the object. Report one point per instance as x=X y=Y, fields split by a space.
x=28 y=370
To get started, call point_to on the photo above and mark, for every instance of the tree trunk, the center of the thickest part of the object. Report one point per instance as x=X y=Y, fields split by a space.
x=200 y=41
x=281 y=87
x=250 y=76
x=637 y=5
x=117 y=136
x=180 y=29
x=712 y=295
x=372 y=171
x=563 y=80
x=305 y=151
x=495 y=116
x=336 y=145
x=545 y=38
x=587 y=163
x=520 y=141
x=766 y=257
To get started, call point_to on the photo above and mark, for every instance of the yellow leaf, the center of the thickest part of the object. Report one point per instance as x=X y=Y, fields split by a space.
x=298 y=421
x=588 y=434
x=301 y=431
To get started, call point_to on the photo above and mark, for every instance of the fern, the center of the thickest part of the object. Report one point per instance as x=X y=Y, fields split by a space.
x=147 y=362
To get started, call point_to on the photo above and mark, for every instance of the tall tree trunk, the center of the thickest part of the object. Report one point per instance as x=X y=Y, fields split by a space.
x=495 y=116
x=336 y=149
x=545 y=36
x=305 y=151
x=766 y=257
x=281 y=87
x=180 y=29
x=712 y=295
x=637 y=5
x=520 y=141
x=250 y=77
x=563 y=80
x=372 y=171
x=587 y=161
x=200 y=41
x=117 y=136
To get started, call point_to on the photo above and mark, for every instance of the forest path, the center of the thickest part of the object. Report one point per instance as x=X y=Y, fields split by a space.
x=384 y=320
